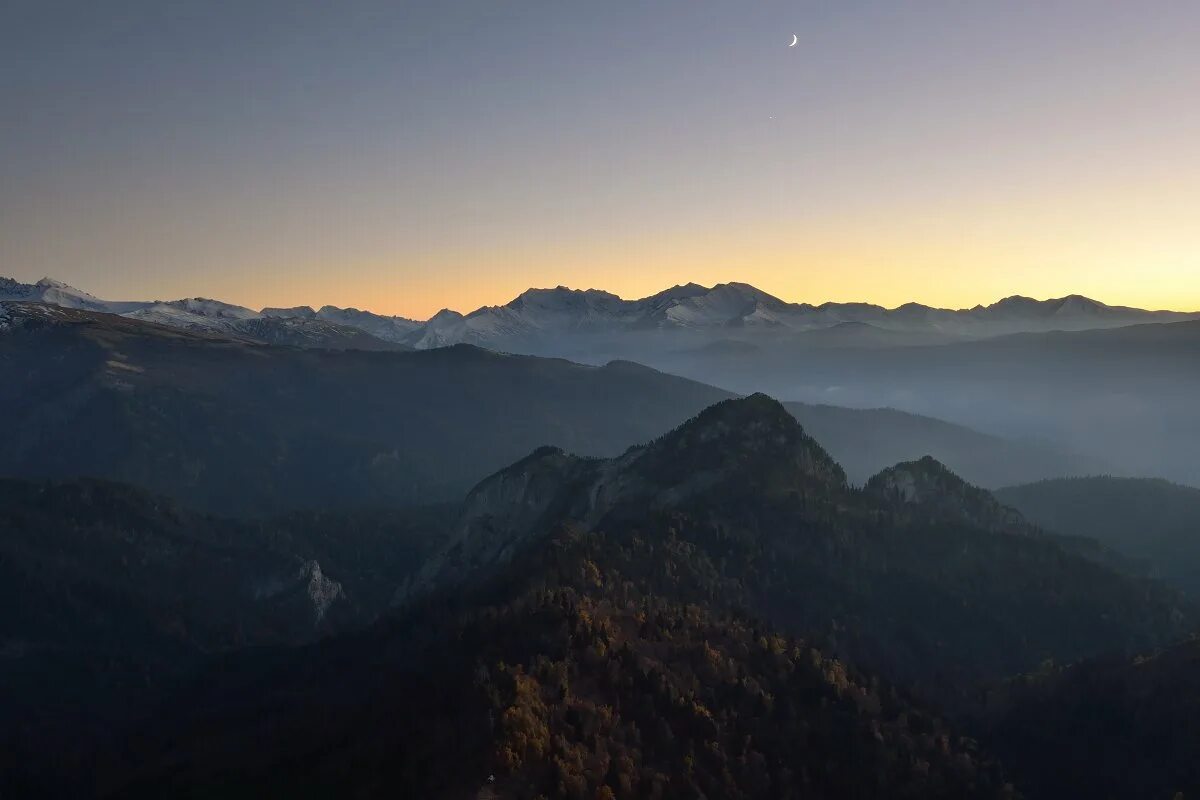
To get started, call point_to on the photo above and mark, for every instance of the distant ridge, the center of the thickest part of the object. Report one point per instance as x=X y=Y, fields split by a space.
x=1148 y=519
x=397 y=426
x=541 y=318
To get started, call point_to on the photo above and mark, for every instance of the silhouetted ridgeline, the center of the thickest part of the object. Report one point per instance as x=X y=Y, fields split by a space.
x=233 y=428
x=720 y=611
x=628 y=627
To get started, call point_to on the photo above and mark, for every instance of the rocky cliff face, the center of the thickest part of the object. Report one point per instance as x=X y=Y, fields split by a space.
x=740 y=504
x=322 y=590
x=928 y=486
x=743 y=446
x=506 y=511
x=154 y=578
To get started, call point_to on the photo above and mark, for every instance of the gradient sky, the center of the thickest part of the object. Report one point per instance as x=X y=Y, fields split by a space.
x=405 y=157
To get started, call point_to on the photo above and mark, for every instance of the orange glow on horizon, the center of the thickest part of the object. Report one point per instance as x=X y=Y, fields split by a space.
x=950 y=154
x=931 y=278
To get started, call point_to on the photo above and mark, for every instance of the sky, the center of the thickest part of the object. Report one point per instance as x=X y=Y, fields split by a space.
x=404 y=157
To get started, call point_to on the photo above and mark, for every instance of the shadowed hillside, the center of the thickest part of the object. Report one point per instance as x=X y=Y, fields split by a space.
x=714 y=612
x=233 y=427
x=1111 y=728
x=236 y=427
x=1150 y=520
x=112 y=596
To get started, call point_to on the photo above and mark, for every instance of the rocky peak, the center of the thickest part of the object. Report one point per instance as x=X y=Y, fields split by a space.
x=562 y=297
x=445 y=316
x=1078 y=304
x=677 y=292
x=322 y=590
x=14 y=289
x=750 y=297
x=503 y=513
x=929 y=485
x=737 y=448
x=746 y=440
x=304 y=312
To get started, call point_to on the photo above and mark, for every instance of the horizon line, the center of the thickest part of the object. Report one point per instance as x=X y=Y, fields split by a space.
x=592 y=290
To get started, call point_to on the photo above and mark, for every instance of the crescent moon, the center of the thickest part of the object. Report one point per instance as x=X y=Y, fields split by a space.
x=795 y=39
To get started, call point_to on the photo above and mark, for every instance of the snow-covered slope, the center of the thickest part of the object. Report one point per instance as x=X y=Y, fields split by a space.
x=54 y=292
x=292 y=327
x=390 y=329
x=196 y=313
x=567 y=321
x=738 y=309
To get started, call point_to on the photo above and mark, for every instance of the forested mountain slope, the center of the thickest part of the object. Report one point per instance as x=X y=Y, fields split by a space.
x=234 y=427
x=716 y=612
x=1153 y=521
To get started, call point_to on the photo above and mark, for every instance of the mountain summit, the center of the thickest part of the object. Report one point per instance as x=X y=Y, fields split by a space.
x=597 y=625
x=928 y=485
x=747 y=506
x=627 y=626
x=552 y=321
x=738 y=448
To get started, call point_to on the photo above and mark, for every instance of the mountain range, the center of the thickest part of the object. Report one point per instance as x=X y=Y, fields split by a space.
x=1120 y=395
x=715 y=612
x=232 y=426
x=745 y=465
x=218 y=583
x=1051 y=373
x=201 y=315
x=562 y=321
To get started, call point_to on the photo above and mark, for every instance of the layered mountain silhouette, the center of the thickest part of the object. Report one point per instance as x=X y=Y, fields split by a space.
x=744 y=479
x=1048 y=372
x=865 y=440
x=232 y=426
x=1121 y=396
x=237 y=427
x=716 y=611
x=206 y=316
x=541 y=320
x=1151 y=521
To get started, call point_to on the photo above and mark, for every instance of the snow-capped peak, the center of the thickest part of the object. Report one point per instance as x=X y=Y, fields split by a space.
x=677 y=292
x=542 y=320
x=53 y=292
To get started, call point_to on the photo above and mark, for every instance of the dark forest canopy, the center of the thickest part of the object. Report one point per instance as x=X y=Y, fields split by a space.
x=1153 y=521
x=751 y=625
